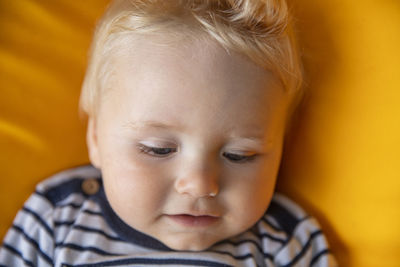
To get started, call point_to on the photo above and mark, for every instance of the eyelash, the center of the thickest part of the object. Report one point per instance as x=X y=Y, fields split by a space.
x=156 y=151
x=236 y=158
x=162 y=152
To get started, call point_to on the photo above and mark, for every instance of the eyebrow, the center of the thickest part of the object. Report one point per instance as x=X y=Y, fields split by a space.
x=151 y=124
x=258 y=138
x=254 y=137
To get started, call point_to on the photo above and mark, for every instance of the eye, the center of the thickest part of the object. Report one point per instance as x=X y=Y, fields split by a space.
x=236 y=158
x=157 y=151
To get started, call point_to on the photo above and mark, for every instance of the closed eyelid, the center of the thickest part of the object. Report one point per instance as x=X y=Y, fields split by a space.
x=243 y=149
x=241 y=153
x=157 y=152
x=237 y=158
x=156 y=143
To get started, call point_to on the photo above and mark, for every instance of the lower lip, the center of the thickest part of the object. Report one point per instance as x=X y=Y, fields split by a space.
x=193 y=221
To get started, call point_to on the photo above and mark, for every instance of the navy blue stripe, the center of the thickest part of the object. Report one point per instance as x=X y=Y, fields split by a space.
x=318 y=256
x=89 y=248
x=272 y=225
x=240 y=257
x=283 y=217
x=97 y=231
x=266 y=255
x=38 y=218
x=150 y=261
x=98 y=213
x=61 y=223
x=33 y=243
x=304 y=249
x=87 y=229
x=273 y=238
x=243 y=257
x=72 y=205
x=18 y=253
x=242 y=242
x=63 y=190
x=40 y=194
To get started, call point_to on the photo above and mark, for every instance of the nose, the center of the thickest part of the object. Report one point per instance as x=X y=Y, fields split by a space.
x=198 y=181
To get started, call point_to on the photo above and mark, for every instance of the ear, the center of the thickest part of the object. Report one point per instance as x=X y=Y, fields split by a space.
x=92 y=142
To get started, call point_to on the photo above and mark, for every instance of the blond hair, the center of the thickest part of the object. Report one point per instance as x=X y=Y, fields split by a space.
x=258 y=29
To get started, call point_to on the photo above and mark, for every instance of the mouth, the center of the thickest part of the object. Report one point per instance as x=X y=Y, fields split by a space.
x=189 y=220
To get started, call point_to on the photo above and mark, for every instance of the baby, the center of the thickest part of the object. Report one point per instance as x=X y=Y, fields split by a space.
x=188 y=104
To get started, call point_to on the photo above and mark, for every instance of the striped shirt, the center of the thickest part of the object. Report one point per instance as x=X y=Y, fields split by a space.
x=68 y=222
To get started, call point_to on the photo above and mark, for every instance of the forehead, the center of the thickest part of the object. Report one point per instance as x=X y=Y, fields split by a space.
x=161 y=76
x=181 y=51
x=177 y=51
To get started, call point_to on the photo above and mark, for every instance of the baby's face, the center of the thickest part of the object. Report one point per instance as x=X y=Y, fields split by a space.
x=189 y=141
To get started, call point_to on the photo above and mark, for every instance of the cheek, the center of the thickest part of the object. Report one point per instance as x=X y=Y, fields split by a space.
x=135 y=193
x=253 y=191
x=133 y=185
x=249 y=191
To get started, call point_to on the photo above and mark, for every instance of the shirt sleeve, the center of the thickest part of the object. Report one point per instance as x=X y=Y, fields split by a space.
x=304 y=244
x=29 y=241
x=306 y=247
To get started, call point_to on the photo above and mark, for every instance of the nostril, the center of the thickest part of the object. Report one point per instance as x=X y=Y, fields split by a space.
x=214 y=193
x=196 y=187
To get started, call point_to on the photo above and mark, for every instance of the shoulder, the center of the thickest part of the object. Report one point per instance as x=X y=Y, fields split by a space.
x=62 y=185
x=301 y=237
x=61 y=193
x=67 y=189
x=32 y=236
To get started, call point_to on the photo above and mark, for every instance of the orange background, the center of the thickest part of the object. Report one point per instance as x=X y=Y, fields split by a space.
x=341 y=162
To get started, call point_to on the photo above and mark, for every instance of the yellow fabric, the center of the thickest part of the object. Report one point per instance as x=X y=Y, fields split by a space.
x=341 y=163
x=43 y=48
